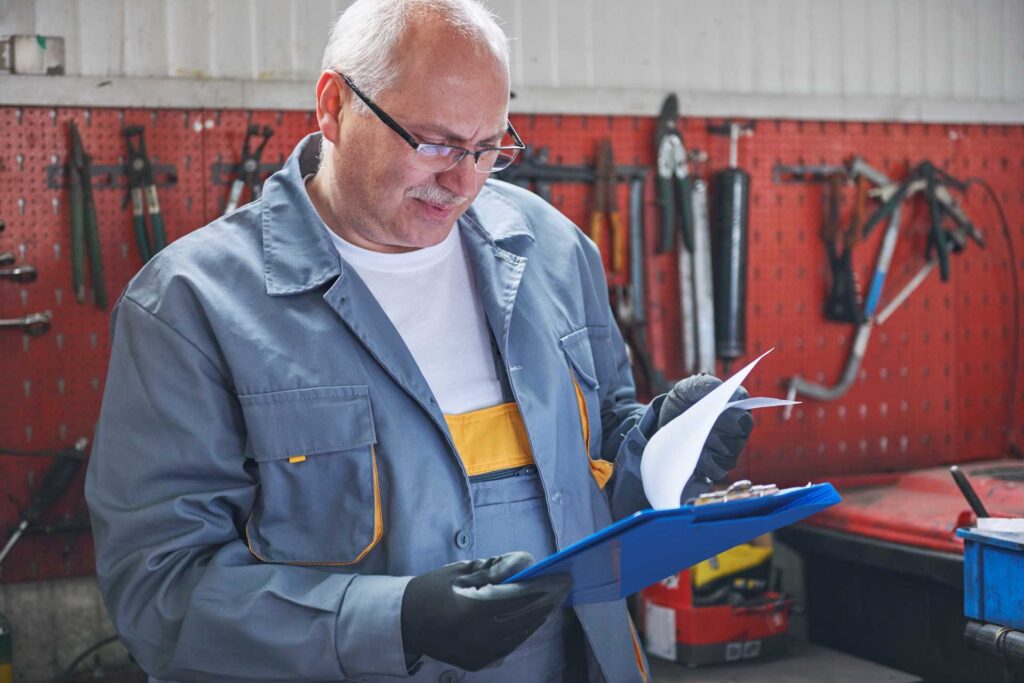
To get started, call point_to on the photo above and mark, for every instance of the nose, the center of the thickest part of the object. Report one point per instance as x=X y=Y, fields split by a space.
x=463 y=178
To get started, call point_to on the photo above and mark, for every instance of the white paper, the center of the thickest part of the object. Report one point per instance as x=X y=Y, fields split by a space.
x=671 y=455
x=1010 y=525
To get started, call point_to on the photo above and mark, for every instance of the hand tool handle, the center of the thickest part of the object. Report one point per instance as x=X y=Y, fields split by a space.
x=666 y=238
x=965 y=488
x=92 y=243
x=139 y=224
x=597 y=234
x=730 y=270
x=55 y=482
x=619 y=247
x=636 y=249
x=19 y=274
x=77 y=236
x=938 y=237
x=159 y=233
x=236 y=193
x=684 y=199
x=157 y=219
x=7 y=258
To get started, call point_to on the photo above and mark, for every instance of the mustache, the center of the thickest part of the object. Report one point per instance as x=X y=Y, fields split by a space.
x=434 y=194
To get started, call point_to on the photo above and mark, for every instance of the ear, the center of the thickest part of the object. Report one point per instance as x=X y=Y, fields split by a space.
x=331 y=94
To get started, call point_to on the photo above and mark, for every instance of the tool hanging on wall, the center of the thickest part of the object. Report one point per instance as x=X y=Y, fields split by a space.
x=55 y=482
x=843 y=302
x=674 y=182
x=142 y=191
x=33 y=324
x=730 y=216
x=605 y=216
x=631 y=304
x=703 y=279
x=85 y=239
x=682 y=198
x=248 y=170
x=532 y=170
x=942 y=204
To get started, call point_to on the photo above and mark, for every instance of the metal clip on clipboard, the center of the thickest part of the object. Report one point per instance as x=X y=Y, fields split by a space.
x=737 y=491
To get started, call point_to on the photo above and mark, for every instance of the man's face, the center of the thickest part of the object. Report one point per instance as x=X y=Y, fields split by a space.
x=447 y=92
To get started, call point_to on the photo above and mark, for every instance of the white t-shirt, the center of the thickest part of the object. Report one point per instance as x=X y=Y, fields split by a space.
x=431 y=298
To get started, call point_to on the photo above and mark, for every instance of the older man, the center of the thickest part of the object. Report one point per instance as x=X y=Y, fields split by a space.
x=325 y=409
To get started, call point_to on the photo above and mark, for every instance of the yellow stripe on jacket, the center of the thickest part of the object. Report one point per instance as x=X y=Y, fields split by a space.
x=491 y=439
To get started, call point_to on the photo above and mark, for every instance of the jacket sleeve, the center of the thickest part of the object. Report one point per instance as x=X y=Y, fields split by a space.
x=626 y=425
x=169 y=490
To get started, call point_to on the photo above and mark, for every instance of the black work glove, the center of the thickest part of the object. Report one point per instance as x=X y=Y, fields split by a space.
x=460 y=615
x=728 y=435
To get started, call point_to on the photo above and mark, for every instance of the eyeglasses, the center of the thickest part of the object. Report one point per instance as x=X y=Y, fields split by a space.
x=441 y=158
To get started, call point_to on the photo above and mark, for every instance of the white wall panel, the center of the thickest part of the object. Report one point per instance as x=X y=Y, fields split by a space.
x=765 y=54
x=936 y=48
x=574 y=44
x=625 y=46
x=231 y=51
x=100 y=32
x=274 y=39
x=145 y=38
x=188 y=32
x=536 y=46
x=881 y=39
x=1013 y=49
x=910 y=58
x=964 y=48
x=853 y=48
x=826 y=47
x=313 y=21
x=810 y=58
x=989 y=36
x=795 y=48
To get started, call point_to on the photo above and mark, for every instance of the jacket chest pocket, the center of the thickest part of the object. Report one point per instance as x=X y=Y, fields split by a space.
x=319 y=501
x=580 y=358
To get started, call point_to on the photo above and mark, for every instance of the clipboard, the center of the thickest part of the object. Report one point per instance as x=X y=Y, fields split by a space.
x=650 y=545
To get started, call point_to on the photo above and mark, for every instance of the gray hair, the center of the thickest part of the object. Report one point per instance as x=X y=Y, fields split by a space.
x=362 y=40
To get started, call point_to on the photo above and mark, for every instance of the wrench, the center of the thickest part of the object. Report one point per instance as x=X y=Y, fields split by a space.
x=33 y=324
x=19 y=274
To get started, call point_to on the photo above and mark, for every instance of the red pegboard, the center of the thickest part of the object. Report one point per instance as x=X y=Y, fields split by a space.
x=933 y=388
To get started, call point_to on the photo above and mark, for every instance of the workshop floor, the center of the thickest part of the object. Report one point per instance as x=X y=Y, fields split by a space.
x=804 y=663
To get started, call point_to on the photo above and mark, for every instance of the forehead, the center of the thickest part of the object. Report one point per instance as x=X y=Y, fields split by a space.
x=446 y=79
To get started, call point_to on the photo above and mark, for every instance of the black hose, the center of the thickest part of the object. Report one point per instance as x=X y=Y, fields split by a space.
x=1015 y=356
x=66 y=677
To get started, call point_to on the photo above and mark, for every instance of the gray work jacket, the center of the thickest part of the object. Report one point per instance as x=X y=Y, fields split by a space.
x=221 y=553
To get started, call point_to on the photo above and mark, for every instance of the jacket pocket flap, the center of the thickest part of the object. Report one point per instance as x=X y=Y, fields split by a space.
x=284 y=424
x=576 y=346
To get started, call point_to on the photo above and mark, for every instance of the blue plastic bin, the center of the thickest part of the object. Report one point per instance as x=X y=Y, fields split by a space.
x=993 y=577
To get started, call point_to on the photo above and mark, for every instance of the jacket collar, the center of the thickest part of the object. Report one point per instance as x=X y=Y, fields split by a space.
x=298 y=254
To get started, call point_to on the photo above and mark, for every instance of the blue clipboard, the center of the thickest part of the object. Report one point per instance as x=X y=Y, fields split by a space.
x=650 y=545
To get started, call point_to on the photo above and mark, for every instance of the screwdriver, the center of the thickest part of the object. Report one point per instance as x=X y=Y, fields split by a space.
x=55 y=482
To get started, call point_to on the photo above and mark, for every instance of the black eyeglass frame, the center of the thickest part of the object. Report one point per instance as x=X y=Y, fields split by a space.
x=462 y=152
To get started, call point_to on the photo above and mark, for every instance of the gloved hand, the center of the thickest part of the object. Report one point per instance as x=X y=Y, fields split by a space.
x=728 y=435
x=460 y=615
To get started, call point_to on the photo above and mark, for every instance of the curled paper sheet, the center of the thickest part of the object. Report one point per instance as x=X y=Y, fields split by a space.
x=671 y=455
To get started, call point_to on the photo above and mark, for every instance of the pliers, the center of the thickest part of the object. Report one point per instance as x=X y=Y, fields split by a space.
x=141 y=184
x=675 y=187
x=85 y=238
x=249 y=168
x=605 y=211
x=935 y=183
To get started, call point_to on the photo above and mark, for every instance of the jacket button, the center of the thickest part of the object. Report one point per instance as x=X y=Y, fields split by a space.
x=556 y=497
x=462 y=539
x=448 y=677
